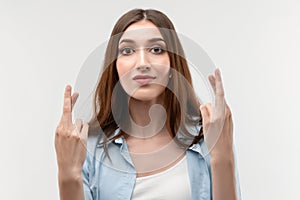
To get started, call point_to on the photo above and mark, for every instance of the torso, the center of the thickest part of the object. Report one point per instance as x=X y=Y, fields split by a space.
x=154 y=155
x=161 y=185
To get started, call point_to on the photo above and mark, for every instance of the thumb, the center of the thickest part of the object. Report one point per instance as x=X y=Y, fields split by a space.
x=205 y=117
x=74 y=98
x=204 y=112
x=84 y=132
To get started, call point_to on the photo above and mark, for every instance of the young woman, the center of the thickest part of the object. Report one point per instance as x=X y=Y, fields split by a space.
x=149 y=138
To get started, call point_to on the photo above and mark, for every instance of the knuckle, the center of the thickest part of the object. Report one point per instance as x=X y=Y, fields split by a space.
x=208 y=106
x=207 y=124
x=216 y=120
x=59 y=129
x=228 y=112
x=79 y=120
x=75 y=137
x=221 y=93
x=66 y=109
x=62 y=130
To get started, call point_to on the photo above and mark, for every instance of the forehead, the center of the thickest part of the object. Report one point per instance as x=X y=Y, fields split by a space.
x=141 y=31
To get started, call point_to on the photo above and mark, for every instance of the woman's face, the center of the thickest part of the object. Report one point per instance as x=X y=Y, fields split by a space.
x=143 y=63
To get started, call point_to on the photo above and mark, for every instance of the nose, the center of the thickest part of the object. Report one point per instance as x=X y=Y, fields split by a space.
x=142 y=62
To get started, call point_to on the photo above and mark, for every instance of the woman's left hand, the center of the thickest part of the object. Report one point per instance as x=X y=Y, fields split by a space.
x=217 y=122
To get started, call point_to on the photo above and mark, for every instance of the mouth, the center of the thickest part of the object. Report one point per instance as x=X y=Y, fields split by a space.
x=143 y=79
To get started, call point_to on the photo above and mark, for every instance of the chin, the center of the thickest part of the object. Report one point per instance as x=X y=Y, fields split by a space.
x=147 y=94
x=143 y=98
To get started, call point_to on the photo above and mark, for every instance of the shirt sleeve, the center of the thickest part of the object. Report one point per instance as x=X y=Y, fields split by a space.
x=85 y=179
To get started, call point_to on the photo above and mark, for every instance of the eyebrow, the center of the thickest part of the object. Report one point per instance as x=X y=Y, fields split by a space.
x=150 y=40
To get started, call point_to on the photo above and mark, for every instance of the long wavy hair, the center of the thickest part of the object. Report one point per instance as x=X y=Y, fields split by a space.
x=181 y=110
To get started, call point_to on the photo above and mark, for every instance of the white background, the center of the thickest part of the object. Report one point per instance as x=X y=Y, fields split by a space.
x=256 y=44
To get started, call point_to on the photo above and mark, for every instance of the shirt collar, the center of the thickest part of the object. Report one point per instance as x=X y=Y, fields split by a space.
x=118 y=140
x=198 y=147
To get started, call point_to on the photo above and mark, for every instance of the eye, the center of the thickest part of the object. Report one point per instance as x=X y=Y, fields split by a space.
x=157 y=50
x=126 y=51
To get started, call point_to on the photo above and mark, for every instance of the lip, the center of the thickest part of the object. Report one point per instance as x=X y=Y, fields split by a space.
x=143 y=79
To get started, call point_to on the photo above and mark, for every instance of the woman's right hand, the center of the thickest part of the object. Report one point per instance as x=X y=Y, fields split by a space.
x=70 y=140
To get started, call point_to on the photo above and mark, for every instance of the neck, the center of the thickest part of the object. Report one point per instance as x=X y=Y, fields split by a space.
x=147 y=117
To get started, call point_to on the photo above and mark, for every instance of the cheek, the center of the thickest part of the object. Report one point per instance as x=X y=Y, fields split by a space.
x=163 y=70
x=163 y=60
x=122 y=67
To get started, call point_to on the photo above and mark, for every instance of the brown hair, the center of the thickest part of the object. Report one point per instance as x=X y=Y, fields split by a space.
x=176 y=116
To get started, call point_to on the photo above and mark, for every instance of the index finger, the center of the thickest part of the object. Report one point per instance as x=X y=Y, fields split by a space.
x=219 y=90
x=67 y=107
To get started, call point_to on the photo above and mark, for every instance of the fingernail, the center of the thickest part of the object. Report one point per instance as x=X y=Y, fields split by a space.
x=68 y=87
x=218 y=71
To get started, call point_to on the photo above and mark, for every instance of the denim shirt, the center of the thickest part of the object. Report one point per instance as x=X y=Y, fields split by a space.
x=105 y=180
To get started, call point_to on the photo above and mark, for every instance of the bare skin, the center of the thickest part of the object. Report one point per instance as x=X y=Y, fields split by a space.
x=218 y=134
x=155 y=154
x=70 y=138
x=218 y=125
x=150 y=153
x=70 y=146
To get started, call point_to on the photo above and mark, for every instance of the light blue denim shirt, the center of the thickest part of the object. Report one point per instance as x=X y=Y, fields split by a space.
x=105 y=180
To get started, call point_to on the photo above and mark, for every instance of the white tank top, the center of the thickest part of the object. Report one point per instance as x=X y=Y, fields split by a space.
x=173 y=184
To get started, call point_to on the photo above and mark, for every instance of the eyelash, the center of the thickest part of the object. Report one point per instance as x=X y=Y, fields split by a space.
x=121 y=51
